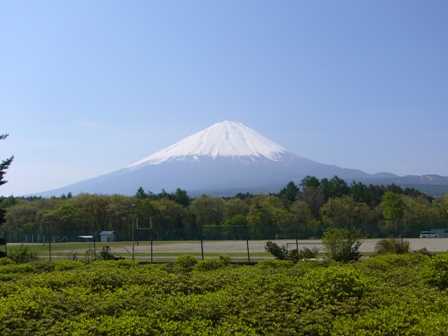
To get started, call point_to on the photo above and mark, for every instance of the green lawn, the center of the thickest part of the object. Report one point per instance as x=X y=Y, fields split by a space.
x=142 y=250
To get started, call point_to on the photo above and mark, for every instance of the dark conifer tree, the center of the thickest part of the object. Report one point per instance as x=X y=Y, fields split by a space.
x=3 y=167
x=5 y=163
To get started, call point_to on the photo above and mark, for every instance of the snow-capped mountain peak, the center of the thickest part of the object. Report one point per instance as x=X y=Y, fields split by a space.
x=224 y=139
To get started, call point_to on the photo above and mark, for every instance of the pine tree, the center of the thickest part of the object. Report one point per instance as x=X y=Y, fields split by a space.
x=3 y=167
x=5 y=163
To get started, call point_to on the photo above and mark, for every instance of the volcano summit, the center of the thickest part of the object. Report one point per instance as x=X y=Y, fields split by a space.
x=227 y=139
x=224 y=159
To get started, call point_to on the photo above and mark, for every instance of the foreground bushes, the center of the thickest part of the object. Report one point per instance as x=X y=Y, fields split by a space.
x=384 y=295
x=391 y=245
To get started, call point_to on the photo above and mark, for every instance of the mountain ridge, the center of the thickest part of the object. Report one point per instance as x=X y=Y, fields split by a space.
x=225 y=156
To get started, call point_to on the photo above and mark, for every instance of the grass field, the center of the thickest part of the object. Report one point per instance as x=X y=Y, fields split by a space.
x=170 y=250
x=161 y=250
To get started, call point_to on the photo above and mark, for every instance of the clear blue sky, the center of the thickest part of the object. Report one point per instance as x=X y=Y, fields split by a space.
x=89 y=87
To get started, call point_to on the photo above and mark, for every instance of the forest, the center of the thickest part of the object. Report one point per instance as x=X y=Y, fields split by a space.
x=311 y=207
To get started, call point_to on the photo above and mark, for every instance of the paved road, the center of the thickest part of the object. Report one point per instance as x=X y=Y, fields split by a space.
x=240 y=246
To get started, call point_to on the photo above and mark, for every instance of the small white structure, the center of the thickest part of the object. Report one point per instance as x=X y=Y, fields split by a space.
x=107 y=236
x=86 y=238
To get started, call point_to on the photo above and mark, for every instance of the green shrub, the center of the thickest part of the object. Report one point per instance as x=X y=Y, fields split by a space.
x=185 y=263
x=17 y=268
x=6 y=261
x=391 y=246
x=106 y=254
x=382 y=295
x=22 y=254
x=67 y=265
x=424 y=251
x=123 y=263
x=281 y=253
x=275 y=263
x=332 y=284
x=43 y=265
x=224 y=258
x=399 y=270
x=435 y=271
x=213 y=264
x=304 y=253
x=209 y=264
x=343 y=244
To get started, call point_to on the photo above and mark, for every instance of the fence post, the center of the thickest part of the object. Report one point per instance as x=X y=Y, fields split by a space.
x=150 y=234
x=247 y=243
x=297 y=243
x=202 y=244
x=94 y=246
x=49 y=242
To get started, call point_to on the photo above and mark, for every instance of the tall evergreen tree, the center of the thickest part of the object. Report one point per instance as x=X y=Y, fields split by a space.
x=140 y=194
x=310 y=182
x=181 y=197
x=3 y=167
x=289 y=192
x=5 y=163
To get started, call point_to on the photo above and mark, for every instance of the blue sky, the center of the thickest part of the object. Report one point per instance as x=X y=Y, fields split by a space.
x=89 y=87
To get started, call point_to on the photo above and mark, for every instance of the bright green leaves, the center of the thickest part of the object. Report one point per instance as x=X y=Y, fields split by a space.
x=435 y=271
x=383 y=295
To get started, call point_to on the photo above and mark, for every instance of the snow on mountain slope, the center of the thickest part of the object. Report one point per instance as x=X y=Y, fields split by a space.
x=223 y=160
x=225 y=139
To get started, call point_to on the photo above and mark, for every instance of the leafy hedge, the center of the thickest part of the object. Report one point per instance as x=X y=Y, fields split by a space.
x=383 y=295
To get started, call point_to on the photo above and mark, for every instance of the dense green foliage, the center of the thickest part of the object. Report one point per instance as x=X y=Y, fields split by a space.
x=22 y=254
x=343 y=244
x=308 y=211
x=106 y=254
x=4 y=165
x=384 y=295
x=282 y=253
x=391 y=246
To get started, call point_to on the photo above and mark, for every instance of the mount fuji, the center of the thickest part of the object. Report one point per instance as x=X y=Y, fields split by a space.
x=222 y=160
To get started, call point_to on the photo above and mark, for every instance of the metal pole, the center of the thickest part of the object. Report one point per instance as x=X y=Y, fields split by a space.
x=133 y=220
x=49 y=242
x=401 y=233
x=202 y=244
x=150 y=235
x=137 y=233
x=297 y=243
x=94 y=246
x=247 y=243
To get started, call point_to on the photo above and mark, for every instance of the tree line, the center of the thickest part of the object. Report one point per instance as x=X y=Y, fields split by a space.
x=379 y=211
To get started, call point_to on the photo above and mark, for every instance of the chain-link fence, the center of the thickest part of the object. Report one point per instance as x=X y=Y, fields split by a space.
x=301 y=232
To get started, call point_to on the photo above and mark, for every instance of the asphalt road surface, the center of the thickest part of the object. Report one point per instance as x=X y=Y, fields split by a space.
x=240 y=246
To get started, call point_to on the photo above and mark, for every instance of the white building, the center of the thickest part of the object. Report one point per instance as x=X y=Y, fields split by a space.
x=107 y=236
